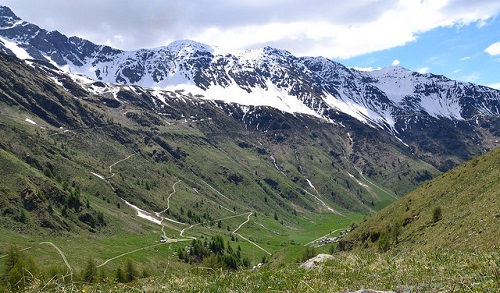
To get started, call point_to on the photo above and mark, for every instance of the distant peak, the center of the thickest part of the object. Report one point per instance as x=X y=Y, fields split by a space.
x=273 y=50
x=6 y=12
x=189 y=44
x=393 y=69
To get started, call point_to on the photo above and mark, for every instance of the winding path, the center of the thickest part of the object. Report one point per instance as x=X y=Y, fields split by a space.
x=248 y=219
x=127 y=253
x=62 y=255
x=158 y=214
x=256 y=245
x=168 y=198
x=111 y=166
x=182 y=231
x=111 y=172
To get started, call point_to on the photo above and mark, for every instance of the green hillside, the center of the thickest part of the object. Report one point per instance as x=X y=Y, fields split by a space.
x=457 y=210
x=72 y=161
x=104 y=185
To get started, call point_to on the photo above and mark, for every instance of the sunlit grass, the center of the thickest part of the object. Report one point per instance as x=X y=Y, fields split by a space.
x=414 y=271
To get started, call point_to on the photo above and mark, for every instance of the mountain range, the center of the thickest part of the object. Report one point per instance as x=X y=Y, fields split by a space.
x=406 y=104
x=343 y=139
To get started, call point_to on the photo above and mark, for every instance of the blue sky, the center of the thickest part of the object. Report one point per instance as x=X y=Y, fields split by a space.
x=447 y=37
x=457 y=52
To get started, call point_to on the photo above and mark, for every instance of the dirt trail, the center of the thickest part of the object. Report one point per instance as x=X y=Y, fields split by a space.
x=111 y=166
x=111 y=172
x=248 y=219
x=158 y=214
x=182 y=231
x=62 y=255
x=127 y=253
x=168 y=198
x=256 y=245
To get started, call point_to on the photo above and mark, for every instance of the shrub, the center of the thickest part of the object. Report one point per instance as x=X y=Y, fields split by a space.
x=383 y=242
x=19 y=269
x=90 y=272
x=131 y=272
x=437 y=214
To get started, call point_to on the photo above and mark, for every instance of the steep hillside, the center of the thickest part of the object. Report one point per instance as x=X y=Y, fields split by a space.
x=104 y=141
x=459 y=209
x=113 y=172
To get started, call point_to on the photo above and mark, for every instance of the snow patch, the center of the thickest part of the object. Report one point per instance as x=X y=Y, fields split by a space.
x=18 y=51
x=143 y=214
x=310 y=184
x=270 y=97
x=98 y=176
x=30 y=121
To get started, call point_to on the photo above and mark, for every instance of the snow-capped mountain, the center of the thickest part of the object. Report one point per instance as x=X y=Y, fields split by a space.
x=392 y=98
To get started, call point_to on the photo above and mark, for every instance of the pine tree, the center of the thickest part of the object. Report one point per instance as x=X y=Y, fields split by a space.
x=90 y=272
x=131 y=272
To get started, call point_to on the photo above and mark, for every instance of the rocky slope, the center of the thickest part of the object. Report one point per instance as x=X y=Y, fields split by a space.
x=59 y=131
x=442 y=120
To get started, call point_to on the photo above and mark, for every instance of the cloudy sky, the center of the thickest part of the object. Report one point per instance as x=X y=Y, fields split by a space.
x=456 y=38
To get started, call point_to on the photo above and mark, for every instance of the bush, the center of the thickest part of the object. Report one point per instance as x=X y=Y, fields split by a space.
x=90 y=272
x=19 y=270
x=131 y=272
x=437 y=214
x=384 y=242
x=120 y=276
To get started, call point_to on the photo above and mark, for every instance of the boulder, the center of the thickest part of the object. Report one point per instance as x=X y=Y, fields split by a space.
x=317 y=260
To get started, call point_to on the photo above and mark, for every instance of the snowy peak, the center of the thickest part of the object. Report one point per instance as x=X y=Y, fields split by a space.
x=7 y=17
x=432 y=94
x=386 y=98
x=188 y=46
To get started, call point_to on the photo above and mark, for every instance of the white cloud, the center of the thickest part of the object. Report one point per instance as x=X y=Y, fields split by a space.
x=423 y=70
x=494 y=85
x=330 y=28
x=472 y=77
x=493 y=49
x=396 y=62
x=465 y=58
x=366 y=68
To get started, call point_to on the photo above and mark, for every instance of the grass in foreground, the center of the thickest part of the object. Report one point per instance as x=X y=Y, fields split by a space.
x=414 y=271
